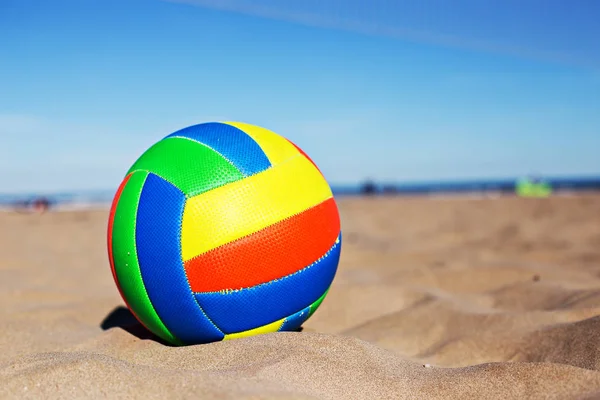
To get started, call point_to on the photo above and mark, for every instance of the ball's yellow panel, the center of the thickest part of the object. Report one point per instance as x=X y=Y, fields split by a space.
x=241 y=208
x=276 y=147
x=272 y=327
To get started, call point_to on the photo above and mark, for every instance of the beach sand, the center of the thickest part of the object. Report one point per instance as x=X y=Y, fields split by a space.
x=452 y=298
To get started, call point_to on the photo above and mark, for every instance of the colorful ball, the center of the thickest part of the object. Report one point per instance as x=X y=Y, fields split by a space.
x=223 y=230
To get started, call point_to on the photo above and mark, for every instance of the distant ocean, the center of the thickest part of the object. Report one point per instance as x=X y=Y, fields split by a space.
x=103 y=198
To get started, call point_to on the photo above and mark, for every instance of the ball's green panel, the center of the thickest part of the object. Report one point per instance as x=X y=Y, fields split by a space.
x=189 y=165
x=127 y=267
x=316 y=304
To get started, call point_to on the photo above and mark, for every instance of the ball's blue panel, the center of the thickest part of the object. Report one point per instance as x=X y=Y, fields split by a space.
x=241 y=310
x=158 y=231
x=294 y=322
x=232 y=143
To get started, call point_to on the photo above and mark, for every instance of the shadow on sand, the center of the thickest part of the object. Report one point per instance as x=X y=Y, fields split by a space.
x=121 y=317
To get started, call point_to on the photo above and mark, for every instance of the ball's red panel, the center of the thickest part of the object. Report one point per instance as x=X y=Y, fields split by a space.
x=271 y=253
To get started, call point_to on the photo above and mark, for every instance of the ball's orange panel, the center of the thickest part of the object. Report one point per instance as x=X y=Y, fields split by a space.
x=243 y=207
x=276 y=251
x=241 y=310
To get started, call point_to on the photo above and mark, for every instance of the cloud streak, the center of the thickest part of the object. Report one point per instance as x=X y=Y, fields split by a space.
x=337 y=19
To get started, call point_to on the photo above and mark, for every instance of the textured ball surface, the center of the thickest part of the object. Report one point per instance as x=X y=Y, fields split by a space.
x=223 y=230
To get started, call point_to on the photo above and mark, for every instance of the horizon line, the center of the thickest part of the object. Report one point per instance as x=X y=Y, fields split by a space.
x=377 y=182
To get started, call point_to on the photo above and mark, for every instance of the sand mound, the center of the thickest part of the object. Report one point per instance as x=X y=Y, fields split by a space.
x=287 y=365
x=574 y=344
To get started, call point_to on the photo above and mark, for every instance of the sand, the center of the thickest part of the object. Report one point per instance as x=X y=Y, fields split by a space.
x=453 y=298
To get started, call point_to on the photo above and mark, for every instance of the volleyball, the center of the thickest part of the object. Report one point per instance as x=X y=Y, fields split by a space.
x=223 y=230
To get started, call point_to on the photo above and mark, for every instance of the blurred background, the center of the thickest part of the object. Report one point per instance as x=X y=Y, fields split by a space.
x=386 y=96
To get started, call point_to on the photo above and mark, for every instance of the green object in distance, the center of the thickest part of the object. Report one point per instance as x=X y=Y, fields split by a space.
x=526 y=188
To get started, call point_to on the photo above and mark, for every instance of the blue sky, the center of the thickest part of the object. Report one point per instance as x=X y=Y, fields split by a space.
x=391 y=90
